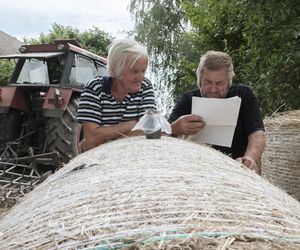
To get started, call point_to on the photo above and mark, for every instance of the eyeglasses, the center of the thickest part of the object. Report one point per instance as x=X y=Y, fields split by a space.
x=210 y=84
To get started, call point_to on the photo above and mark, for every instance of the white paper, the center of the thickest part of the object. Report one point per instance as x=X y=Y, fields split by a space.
x=220 y=116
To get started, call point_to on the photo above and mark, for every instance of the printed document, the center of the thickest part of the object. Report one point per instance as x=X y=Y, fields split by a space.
x=220 y=116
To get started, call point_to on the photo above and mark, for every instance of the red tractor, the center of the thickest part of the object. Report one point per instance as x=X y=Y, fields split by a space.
x=38 y=107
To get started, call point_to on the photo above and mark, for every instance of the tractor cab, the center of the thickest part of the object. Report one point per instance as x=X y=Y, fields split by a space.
x=38 y=107
x=62 y=63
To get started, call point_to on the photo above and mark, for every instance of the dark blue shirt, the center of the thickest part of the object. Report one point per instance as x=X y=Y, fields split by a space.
x=249 y=119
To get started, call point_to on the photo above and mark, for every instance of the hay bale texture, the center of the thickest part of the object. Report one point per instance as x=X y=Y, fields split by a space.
x=135 y=193
x=281 y=158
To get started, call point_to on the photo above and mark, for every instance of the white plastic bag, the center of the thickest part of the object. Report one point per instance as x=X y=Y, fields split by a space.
x=153 y=123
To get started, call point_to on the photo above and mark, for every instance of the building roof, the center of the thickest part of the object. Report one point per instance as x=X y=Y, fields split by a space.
x=8 y=44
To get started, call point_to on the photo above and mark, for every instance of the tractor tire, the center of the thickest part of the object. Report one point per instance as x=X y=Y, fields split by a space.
x=64 y=134
x=10 y=127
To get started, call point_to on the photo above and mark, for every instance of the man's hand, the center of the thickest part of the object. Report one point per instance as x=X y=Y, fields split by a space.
x=255 y=148
x=187 y=125
x=249 y=163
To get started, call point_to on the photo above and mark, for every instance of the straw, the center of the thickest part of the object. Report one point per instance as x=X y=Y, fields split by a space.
x=167 y=193
x=281 y=159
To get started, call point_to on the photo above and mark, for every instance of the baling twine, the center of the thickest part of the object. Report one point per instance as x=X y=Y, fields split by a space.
x=137 y=193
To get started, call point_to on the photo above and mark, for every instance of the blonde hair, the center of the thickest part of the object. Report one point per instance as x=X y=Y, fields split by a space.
x=121 y=51
x=215 y=60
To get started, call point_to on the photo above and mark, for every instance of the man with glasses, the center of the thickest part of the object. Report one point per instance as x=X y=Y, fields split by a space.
x=214 y=78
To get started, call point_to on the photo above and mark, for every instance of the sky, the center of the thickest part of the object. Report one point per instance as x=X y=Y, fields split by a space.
x=30 y=18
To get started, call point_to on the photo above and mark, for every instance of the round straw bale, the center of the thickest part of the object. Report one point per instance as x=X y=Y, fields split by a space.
x=166 y=193
x=281 y=158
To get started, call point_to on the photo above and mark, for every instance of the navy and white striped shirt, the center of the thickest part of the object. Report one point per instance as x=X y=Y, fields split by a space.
x=99 y=106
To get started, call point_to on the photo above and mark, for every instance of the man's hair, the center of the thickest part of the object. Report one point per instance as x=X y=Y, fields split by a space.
x=215 y=60
x=121 y=51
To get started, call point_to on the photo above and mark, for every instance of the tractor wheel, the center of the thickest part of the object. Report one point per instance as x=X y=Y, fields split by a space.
x=64 y=134
x=10 y=127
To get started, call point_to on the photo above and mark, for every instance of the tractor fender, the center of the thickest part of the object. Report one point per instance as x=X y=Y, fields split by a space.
x=12 y=97
x=57 y=101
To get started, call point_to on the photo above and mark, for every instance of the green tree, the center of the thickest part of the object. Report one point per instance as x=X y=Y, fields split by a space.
x=263 y=38
x=94 y=40
x=159 y=26
x=273 y=53
x=6 y=68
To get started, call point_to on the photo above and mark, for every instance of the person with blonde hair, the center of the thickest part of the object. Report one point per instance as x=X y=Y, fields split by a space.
x=111 y=106
x=214 y=78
